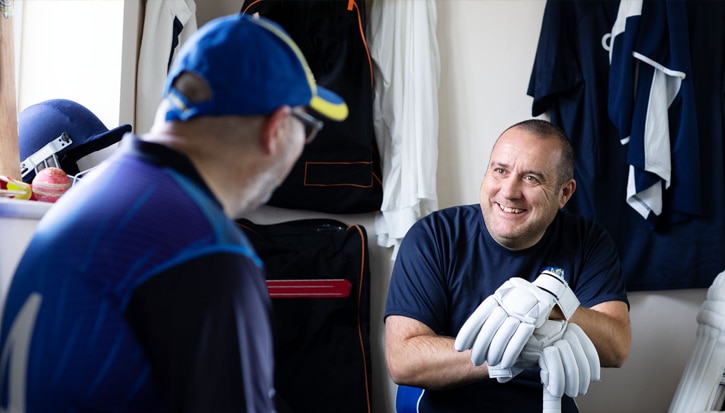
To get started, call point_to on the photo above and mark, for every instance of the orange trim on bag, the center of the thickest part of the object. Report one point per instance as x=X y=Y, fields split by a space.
x=359 y=322
x=250 y=5
x=350 y=5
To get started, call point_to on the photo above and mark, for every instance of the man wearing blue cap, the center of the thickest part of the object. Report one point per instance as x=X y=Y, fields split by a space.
x=138 y=293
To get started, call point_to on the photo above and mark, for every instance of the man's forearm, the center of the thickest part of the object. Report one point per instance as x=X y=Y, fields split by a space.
x=416 y=356
x=607 y=325
x=432 y=363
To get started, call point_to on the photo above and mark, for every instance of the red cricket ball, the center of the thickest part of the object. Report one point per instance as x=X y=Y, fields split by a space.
x=50 y=183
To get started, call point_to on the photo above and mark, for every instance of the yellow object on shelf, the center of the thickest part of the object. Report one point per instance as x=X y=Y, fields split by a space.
x=13 y=188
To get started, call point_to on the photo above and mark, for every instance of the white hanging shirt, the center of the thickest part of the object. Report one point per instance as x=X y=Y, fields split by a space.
x=404 y=49
x=159 y=42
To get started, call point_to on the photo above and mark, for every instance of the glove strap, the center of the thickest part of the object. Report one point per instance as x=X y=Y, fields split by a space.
x=559 y=288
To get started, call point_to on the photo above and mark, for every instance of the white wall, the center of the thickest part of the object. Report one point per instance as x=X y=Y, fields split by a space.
x=88 y=55
x=487 y=49
x=77 y=57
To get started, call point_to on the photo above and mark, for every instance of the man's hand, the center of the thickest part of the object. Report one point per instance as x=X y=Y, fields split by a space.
x=565 y=354
x=570 y=363
x=502 y=324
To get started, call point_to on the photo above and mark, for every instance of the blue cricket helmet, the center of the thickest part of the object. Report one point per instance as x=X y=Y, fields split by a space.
x=59 y=132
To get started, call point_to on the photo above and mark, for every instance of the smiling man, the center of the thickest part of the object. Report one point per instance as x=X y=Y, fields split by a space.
x=523 y=188
x=461 y=259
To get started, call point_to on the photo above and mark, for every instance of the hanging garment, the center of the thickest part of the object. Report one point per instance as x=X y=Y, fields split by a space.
x=570 y=81
x=404 y=49
x=167 y=24
x=339 y=172
x=318 y=277
x=652 y=103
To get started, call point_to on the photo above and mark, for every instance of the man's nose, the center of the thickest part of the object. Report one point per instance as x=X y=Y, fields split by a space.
x=511 y=188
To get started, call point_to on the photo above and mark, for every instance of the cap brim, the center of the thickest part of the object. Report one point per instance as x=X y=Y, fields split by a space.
x=329 y=104
x=98 y=142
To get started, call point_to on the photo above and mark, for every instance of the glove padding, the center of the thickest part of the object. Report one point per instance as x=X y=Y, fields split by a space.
x=549 y=333
x=567 y=357
x=502 y=324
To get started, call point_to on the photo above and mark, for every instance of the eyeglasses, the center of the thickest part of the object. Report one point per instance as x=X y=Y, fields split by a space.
x=312 y=124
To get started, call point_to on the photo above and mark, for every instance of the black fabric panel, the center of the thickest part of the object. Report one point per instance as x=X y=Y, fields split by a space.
x=193 y=308
x=322 y=349
x=329 y=35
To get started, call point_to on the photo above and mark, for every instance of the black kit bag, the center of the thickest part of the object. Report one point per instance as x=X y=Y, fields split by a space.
x=318 y=277
x=340 y=171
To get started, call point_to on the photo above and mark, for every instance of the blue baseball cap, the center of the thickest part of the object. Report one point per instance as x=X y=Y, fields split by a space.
x=252 y=67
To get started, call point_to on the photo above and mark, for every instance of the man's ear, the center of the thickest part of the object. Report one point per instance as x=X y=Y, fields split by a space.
x=567 y=190
x=274 y=129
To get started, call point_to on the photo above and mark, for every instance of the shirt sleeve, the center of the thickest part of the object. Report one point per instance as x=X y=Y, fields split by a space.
x=601 y=279
x=417 y=286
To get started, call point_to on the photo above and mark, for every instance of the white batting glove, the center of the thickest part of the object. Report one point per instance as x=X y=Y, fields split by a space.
x=499 y=328
x=549 y=333
x=567 y=357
